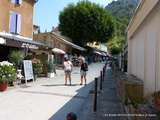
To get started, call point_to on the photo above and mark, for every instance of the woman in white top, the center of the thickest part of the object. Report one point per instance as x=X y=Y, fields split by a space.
x=67 y=69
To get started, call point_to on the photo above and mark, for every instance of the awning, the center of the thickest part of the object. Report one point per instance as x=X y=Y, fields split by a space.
x=96 y=52
x=20 y=41
x=104 y=54
x=67 y=42
x=59 y=51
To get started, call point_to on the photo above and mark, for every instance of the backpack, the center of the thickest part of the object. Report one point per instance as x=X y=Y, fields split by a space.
x=85 y=67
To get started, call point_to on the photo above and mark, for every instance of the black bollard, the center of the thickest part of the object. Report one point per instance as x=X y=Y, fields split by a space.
x=95 y=95
x=101 y=78
x=103 y=73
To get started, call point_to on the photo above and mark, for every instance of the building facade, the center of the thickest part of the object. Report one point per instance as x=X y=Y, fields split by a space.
x=17 y=17
x=61 y=45
x=16 y=27
x=144 y=45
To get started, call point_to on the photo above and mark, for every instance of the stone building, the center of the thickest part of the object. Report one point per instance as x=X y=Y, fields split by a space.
x=16 y=27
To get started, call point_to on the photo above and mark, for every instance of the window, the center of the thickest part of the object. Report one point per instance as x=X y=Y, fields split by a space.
x=18 y=2
x=15 y=23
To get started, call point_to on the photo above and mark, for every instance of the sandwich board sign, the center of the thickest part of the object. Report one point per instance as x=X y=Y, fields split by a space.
x=28 y=70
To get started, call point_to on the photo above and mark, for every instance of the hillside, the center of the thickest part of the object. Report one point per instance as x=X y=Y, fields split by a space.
x=122 y=11
x=122 y=8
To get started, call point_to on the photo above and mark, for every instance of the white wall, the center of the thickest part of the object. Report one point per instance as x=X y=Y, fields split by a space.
x=144 y=52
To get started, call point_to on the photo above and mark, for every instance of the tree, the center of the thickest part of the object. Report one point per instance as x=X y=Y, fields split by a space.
x=115 y=44
x=122 y=11
x=86 y=22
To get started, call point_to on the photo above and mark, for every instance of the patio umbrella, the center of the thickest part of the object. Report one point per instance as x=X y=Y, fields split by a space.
x=59 y=51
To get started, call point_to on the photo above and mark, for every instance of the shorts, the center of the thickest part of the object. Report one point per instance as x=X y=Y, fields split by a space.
x=67 y=72
x=83 y=73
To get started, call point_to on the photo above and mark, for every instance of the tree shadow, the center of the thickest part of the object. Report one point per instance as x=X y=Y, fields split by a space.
x=75 y=104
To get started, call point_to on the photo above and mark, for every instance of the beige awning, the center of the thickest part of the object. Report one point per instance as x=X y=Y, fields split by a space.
x=59 y=51
x=96 y=52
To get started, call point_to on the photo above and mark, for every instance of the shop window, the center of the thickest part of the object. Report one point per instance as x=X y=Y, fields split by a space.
x=15 y=23
x=17 y=2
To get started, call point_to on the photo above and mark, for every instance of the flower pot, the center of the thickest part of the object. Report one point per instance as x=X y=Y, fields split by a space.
x=51 y=75
x=3 y=86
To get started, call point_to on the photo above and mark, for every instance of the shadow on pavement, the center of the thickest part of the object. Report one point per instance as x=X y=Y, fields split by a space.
x=55 y=94
x=74 y=105
x=53 y=85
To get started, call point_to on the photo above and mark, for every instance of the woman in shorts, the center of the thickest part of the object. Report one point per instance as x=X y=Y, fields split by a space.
x=83 y=71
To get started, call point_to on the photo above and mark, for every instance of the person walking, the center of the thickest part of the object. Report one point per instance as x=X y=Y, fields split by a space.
x=71 y=116
x=67 y=69
x=83 y=71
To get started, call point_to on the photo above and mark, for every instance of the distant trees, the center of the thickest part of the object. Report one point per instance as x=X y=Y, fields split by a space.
x=86 y=22
x=122 y=11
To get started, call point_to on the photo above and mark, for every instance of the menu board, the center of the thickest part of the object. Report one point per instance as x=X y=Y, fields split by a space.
x=28 y=70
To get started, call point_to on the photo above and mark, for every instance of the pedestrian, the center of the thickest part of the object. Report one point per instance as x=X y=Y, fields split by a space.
x=83 y=71
x=80 y=59
x=68 y=66
x=71 y=116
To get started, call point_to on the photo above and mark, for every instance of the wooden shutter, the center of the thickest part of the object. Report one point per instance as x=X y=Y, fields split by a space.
x=13 y=1
x=20 y=2
x=16 y=1
x=12 y=23
x=18 y=24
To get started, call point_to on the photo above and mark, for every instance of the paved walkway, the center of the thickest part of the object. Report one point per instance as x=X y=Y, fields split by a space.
x=109 y=104
x=47 y=99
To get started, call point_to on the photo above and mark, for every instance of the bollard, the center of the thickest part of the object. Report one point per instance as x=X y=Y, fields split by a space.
x=95 y=96
x=103 y=73
x=101 y=78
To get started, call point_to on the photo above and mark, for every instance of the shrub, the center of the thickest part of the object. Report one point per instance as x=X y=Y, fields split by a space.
x=37 y=68
x=7 y=72
x=50 y=66
x=16 y=57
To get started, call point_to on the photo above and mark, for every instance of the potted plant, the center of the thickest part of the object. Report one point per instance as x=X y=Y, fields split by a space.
x=37 y=67
x=17 y=57
x=7 y=74
x=50 y=68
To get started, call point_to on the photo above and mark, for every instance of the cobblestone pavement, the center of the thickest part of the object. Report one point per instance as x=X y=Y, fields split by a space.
x=47 y=99
x=109 y=104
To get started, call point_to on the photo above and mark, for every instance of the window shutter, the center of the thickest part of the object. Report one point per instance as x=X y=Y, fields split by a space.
x=12 y=24
x=20 y=2
x=18 y=23
x=13 y=1
x=16 y=1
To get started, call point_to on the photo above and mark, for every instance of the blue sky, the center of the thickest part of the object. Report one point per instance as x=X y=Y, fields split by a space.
x=46 y=12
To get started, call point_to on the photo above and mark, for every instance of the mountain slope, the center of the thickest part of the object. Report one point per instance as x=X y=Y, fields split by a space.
x=122 y=8
x=122 y=11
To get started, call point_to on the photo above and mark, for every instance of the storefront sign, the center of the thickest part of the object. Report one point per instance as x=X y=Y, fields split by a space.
x=28 y=70
x=26 y=45
x=2 y=41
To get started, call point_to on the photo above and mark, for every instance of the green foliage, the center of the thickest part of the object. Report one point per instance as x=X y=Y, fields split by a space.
x=16 y=57
x=122 y=11
x=50 y=66
x=7 y=73
x=37 y=68
x=115 y=45
x=86 y=22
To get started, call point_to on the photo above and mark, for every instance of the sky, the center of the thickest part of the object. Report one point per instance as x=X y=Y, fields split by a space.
x=46 y=12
